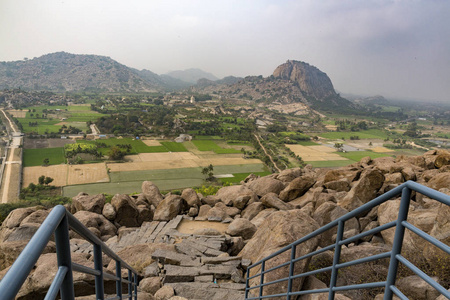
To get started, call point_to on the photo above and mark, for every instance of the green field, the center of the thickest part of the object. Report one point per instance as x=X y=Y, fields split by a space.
x=131 y=182
x=35 y=157
x=357 y=155
x=174 y=146
x=307 y=143
x=365 y=134
x=210 y=145
x=137 y=146
x=238 y=177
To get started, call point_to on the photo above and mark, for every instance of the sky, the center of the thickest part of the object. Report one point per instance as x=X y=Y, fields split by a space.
x=395 y=48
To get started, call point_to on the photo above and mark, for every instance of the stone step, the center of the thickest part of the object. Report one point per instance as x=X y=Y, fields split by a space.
x=210 y=291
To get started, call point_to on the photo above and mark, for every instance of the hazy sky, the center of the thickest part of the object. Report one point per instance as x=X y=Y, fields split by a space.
x=397 y=48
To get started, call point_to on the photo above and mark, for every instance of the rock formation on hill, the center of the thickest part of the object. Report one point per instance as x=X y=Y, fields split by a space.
x=310 y=79
x=262 y=215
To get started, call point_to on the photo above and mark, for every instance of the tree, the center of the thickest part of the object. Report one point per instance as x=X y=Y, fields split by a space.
x=339 y=147
x=46 y=161
x=48 y=180
x=41 y=179
x=208 y=172
x=115 y=153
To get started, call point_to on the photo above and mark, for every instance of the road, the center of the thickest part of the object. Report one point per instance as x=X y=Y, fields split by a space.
x=10 y=187
x=270 y=157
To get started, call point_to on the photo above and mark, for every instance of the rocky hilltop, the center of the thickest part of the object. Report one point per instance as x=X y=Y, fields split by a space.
x=63 y=71
x=257 y=217
x=310 y=79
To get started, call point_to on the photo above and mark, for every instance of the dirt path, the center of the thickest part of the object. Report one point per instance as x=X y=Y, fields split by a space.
x=270 y=157
x=7 y=176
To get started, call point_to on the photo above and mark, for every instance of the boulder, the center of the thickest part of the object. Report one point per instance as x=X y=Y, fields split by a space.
x=297 y=188
x=165 y=293
x=341 y=185
x=190 y=196
x=217 y=213
x=383 y=163
x=241 y=227
x=442 y=159
x=271 y=200
x=145 y=214
x=169 y=208
x=9 y=251
x=22 y=233
x=349 y=173
x=16 y=216
x=289 y=174
x=151 y=193
x=416 y=288
x=327 y=213
x=262 y=216
x=241 y=201
x=364 y=190
x=36 y=217
x=440 y=181
x=127 y=212
x=312 y=283
x=93 y=203
x=229 y=193
x=252 y=210
x=109 y=211
x=203 y=212
x=280 y=229
x=265 y=185
x=90 y=219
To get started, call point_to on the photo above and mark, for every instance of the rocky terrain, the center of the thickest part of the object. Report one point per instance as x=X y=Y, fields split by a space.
x=261 y=215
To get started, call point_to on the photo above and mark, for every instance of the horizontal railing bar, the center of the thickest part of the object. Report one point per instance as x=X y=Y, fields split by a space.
x=427 y=237
x=398 y=293
x=364 y=260
x=18 y=273
x=368 y=206
x=79 y=228
x=369 y=232
x=441 y=197
x=114 y=298
x=268 y=296
x=326 y=290
x=56 y=284
x=127 y=281
x=272 y=269
x=269 y=283
x=111 y=277
x=360 y=286
x=424 y=276
x=84 y=269
x=315 y=253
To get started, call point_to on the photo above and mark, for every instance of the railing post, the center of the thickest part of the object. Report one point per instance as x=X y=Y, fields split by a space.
x=336 y=258
x=247 y=283
x=130 y=285
x=398 y=242
x=263 y=267
x=63 y=256
x=135 y=286
x=98 y=264
x=119 y=282
x=291 y=272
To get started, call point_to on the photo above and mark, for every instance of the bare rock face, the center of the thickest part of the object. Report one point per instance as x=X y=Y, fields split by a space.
x=36 y=217
x=229 y=193
x=169 y=208
x=89 y=203
x=252 y=210
x=279 y=230
x=126 y=211
x=16 y=216
x=109 y=211
x=265 y=185
x=190 y=196
x=417 y=288
x=297 y=188
x=310 y=79
x=440 y=181
x=151 y=193
x=241 y=227
x=11 y=250
x=349 y=173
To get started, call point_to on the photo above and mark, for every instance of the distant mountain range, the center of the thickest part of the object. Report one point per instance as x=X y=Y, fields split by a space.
x=293 y=81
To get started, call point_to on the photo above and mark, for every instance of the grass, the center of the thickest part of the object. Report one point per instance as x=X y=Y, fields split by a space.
x=35 y=157
x=307 y=143
x=209 y=145
x=137 y=146
x=366 y=134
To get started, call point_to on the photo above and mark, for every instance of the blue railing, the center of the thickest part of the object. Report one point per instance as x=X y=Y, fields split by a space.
x=58 y=222
x=257 y=291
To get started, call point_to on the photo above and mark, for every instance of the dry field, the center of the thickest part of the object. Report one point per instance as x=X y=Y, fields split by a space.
x=175 y=160
x=18 y=113
x=88 y=173
x=67 y=174
x=151 y=143
x=315 y=153
x=375 y=145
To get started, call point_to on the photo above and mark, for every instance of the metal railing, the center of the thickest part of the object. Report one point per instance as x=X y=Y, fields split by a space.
x=395 y=254
x=58 y=222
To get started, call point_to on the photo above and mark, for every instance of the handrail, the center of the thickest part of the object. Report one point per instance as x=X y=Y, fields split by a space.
x=389 y=285
x=58 y=222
